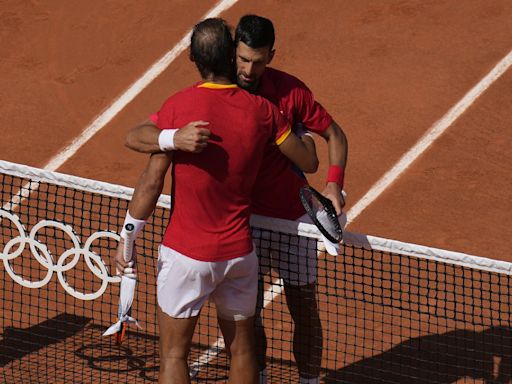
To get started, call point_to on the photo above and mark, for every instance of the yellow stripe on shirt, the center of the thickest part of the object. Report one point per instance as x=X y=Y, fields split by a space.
x=284 y=136
x=216 y=86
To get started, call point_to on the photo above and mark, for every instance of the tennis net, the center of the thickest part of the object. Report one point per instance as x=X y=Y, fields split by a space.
x=390 y=312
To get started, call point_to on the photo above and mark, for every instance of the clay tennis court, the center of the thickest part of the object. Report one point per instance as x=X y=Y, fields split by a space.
x=387 y=71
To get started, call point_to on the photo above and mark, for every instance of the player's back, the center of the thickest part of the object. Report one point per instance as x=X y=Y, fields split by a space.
x=212 y=189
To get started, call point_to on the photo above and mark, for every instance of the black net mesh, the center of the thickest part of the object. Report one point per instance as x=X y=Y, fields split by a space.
x=371 y=317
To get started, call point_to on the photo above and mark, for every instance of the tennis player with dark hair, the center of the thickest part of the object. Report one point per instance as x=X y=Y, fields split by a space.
x=276 y=193
x=278 y=184
x=207 y=250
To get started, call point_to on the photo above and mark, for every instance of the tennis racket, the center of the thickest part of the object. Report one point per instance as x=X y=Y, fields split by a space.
x=128 y=247
x=127 y=255
x=322 y=212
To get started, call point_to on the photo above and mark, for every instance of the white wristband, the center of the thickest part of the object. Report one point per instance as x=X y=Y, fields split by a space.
x=166 y=139
x=137 y=224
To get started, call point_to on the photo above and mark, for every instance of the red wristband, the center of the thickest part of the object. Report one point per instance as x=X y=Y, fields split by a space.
x=336 y=174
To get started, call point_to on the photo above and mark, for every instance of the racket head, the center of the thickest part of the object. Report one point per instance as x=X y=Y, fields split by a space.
x=321 y=211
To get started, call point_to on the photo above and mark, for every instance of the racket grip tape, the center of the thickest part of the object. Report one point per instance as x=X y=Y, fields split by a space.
x=128 y=241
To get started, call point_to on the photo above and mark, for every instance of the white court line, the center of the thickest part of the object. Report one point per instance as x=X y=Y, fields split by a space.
x=432 y=134
x=157 y=68
x=428 y=138
x=137 y=87
x=117 y=106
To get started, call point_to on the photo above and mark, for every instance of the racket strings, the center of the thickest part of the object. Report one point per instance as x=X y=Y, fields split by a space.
x=326 y=220
x=322 y=212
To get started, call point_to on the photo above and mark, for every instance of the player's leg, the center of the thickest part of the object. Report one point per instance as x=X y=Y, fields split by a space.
x=183 y=286
x=307 y=334
x=235 y=298
x=239 y=339
x=298 y=268
x=260 y=336
x=261 y=241
x=175 y=340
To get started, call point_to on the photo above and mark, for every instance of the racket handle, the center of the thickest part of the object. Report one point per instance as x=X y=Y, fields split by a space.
x=128 y=242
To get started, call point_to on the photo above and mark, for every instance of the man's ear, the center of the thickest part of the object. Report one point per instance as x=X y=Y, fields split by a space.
x=271 y=55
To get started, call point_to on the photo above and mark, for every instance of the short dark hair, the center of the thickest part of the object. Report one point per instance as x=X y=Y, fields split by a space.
x=255 y=31
x=212 y=48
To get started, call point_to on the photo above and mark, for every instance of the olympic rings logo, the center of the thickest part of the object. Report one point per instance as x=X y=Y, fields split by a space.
x=65 y=262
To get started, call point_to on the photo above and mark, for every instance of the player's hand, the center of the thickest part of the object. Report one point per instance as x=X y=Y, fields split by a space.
x=193 y=137
x=123 y=267
x=333 y=192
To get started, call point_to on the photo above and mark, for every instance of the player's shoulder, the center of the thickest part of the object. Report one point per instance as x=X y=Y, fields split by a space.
x=181 y=94
x=283 y=78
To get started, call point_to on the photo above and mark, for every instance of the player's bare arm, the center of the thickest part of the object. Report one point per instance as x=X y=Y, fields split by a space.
x=145 y=137
x=337 y=145
x=309 y=143
x=300 y=151
x=145 y=196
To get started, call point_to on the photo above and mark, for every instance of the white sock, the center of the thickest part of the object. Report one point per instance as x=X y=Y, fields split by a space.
x=314 y=380
x=263 y=376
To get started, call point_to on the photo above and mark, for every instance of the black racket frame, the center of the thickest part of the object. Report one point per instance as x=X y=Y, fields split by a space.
x=328 y=208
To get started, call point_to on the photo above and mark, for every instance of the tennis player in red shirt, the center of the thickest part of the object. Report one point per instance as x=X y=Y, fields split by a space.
x=276 y=193
x=277 y=189
x=207 y=250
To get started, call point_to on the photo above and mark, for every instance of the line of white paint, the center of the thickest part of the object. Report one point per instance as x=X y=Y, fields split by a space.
x=421 y=146
x=137 y=87
x=24 y=192
x=275 y=289
x=206 y=357
x=433 y=133
x=117 y=106
x=156 y=69
x=426 y=141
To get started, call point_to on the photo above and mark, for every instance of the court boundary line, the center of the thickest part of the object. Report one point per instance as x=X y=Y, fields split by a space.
x=133 y=91
x=375 y=191
x=424 y=143
x=119 y=104
x=433 y=133
x=287 y=226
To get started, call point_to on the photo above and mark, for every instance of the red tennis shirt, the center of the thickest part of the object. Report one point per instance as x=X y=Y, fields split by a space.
x=211 y=190
x=276 y=191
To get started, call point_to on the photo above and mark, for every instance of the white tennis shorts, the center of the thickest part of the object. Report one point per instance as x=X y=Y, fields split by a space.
x=293 y=257
x=184 y=284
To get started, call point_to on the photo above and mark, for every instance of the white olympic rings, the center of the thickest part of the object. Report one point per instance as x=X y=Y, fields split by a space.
x=65 y=262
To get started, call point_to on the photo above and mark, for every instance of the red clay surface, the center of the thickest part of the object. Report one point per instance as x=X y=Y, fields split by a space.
x=386 y=71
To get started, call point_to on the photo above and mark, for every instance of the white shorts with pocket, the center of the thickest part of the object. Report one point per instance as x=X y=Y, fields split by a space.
x=184 y=284
x=293 y=257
